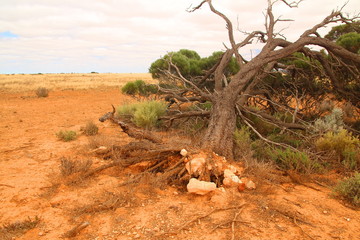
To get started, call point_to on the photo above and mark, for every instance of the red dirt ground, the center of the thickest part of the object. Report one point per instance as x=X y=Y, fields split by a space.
x=31 y=185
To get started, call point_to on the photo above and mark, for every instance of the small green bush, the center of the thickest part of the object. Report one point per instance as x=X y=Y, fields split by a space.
x=90 y=129
x=291 y=160
x=42 y=92
x=242 y=142
x=143 y=114
x=66 y=135
x=344 y=145
x=349 y=189
x=285 y=138
x=139 y=87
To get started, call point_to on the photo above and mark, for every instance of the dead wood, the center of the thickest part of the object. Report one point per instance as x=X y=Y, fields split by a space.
x=206 y=215
x=137 y=133
x=76 y=230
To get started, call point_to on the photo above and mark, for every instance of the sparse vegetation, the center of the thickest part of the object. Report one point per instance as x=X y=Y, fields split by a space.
x=66 y=135
x=143 y=114
x=16 y=229
x=90 y=129
x=349 y=189
x=42 y=92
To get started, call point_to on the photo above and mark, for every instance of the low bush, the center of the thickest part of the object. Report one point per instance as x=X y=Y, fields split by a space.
x=345 y=146
x=69 y=167
x=332 y=122
x=90 y=129
x=66 y=135
x=42 y=92
x=293 y=160
x=285 y=138
x=143 y=114
x=139 y=87
x=349 y=189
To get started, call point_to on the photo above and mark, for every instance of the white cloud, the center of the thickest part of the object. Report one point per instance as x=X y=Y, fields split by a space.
x=126 y=36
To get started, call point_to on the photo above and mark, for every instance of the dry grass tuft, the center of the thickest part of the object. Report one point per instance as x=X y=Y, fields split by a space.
x=90 y=129
x=16 y=229
x=69 y=167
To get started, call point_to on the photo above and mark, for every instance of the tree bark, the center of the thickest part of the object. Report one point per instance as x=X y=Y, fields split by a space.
x=222 y=124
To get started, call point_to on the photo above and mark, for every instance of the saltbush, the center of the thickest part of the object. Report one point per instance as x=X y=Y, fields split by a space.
x=345 y=146
x=143 y=114
x=349 y=189
x=332 y=122
x=66 y=135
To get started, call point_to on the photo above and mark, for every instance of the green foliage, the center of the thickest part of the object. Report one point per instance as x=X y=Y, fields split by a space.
x=139 y=87
x=332 y=122
x=349 y=189
x=290 y=160
x=242 y=141
x=342 y=29
x=350 y=41
x=143 y=114
x=346 y=147
x=90 y=129
x=66 y=135
x=190 y=64
x=285 y=138
x=42 y=92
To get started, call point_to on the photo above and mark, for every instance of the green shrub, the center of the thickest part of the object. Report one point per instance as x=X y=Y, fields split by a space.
x=90 y=129
x=349 y=189
x=143 y=114
x=285 y=138
x=66 y=135
x=139 y=87
x=129 y=88
x=42 y=92
x=344 y=145
x=291 y=160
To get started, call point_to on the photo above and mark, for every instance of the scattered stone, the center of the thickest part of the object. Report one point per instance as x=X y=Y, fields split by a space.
x=200 y=187
x=195 y=165
x=41 y=234
x=183 y=152
x=250 y=185
x=101 y=150
x=241 y=187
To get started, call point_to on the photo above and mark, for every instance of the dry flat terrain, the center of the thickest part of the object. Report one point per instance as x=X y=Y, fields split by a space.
x=32 y=188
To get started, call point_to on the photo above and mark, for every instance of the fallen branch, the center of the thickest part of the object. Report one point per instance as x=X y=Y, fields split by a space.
x=76 y=230
x=206 y=215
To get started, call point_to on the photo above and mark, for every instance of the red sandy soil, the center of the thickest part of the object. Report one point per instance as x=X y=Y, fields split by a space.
x=31 y=185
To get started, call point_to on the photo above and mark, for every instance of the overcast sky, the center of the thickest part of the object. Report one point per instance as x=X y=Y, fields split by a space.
x=63 y=36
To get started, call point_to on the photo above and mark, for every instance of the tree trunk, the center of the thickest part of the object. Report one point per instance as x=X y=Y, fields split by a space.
x=219 y=134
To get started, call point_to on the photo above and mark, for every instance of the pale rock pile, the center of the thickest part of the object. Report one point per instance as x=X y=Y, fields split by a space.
x=197 y=164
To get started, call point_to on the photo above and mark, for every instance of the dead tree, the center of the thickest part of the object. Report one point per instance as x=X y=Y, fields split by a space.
x=230 y=97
